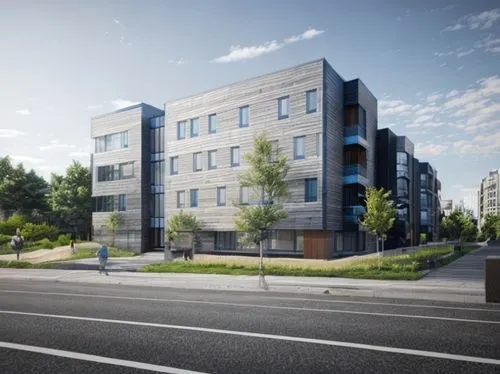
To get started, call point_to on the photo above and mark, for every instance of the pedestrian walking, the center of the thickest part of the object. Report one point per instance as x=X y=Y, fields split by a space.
x=72 y=245
x=17 y=243
x=102 y=255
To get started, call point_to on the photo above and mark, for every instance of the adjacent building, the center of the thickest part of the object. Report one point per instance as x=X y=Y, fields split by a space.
x=151 y=163
x=446 y=207
x=430 y=196
x=398 y=171
x=489 y=195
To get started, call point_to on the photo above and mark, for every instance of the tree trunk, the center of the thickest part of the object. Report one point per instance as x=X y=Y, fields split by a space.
x=383 y=244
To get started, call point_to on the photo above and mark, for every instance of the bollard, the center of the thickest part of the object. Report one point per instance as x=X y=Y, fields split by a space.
x=492 y=279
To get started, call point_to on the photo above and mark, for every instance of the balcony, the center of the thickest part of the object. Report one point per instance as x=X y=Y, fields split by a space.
x=355 y=134
x=355 y=173
x=352 y=214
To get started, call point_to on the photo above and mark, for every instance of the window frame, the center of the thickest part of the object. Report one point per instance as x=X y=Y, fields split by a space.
x=174 y=160
x=195 y=191
x=209 y=155
x=219 y=190
x=195 y=166
x=309 y=198
x=241 y=110
x=192 y=123
x=296 y=139
x=181 y=124
x=232 y=158
x=181 y=205
x=282 y=115
x=309 y=101
x=212 y=130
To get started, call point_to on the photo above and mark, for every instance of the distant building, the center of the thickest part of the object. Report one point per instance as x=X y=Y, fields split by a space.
x=489 y=195
x=446 y=207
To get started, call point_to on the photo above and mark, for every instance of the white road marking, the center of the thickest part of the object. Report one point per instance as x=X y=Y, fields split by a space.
x=99 y=359
x=413 y=352
x=244 y=305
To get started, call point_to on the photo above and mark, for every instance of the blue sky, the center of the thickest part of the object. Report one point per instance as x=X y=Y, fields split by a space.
x=433 y=65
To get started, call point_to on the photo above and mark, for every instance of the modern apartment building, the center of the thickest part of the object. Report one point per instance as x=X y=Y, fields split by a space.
x=128 y=176
x=489 y=195
x=398 y=171
x=430 y=197
x=323 y=124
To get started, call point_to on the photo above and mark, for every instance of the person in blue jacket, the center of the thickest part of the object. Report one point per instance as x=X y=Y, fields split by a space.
x=102 y=255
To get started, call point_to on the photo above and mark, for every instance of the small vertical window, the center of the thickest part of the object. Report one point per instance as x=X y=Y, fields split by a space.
x=235 y=156
x=212 y=123
x=212 y=160
x=283 y=107
x=311 y=190
x=174 y=165
x=181 y=196
x=274 y=151
x=195 y=127
x=244 y=195
x=244 y=116
x=122 y=203
x=299 y=145
x=197 y=166
x=311 y=101
x=181 y=130
x=221 y=196
x=319 y=144
x=195 y=192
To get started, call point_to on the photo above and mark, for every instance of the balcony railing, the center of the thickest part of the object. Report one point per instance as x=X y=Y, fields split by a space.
x=355 y=169
x=359 y=130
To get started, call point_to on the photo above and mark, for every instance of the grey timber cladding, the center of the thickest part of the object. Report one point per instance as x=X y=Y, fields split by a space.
x=334 y=153
x=261 y=95
x=131 y=121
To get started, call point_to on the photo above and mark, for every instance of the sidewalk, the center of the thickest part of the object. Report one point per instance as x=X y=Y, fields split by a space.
x=47 y=255
x=470 y=292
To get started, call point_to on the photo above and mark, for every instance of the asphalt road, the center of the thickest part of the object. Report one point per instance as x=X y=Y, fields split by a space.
x=49 y=327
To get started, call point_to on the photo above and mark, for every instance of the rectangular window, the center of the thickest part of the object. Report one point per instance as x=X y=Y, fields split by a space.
x=195 y=194
x=244 y=195
x=244 y=116
x=112 y=142
x=221 y=196
x=212 y=160
x=299 y=147
x=157 y=173
x=212 y=123
x=195 y=127
x=181 y=130
x=181 y=199
x=311 y=190
x=174 y=165
x=235 y=156
x=274 y=151
x=104 y=203
x=283 y=107
x=122 y=203
x=197 y=166
x=311 y=101
x=319 y=144
x=126 y=170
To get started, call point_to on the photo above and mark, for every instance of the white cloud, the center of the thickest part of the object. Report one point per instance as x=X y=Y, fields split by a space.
x=489 y=44
x=432 y=98
x=392 y=107
x=28 y=159
x=430 y=150
x=427 y=110
x=116 y=21
x=10 y=133
x=423 y=118
x=121 y=103
x=54 y=144
x=23 y=112
x=239 y=53
x=482 y=21
x=177 y=62
x=465 y=53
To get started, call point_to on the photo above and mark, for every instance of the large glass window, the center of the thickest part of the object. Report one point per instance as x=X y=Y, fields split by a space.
x=402 y=188
x=157 y=140
x=174 y=165
x=126 y=170
x=244 y=195
x=158 y=172
x=195 y=193
x=311 y=101
x=181 y=130
x=283 y=107
x=112 y=142
x=181 y=199
x=299 y=147
x=221 y=196
x=424 y=201
x=402 y=169
x=195 y=127
x=212 y=123
x=122 y=203
x=104 y=203
x=235 y=156
x=311 y=190
x=212 y=160
x=244 y=116
x=197 y=166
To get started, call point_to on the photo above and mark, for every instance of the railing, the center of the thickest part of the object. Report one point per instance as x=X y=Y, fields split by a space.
x=355 y=169
x=355 y=130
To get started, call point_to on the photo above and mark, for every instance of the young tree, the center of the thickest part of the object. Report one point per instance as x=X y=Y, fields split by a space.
x=459 y=226
x=489 y=225
x=265 y=175
x=112 y=223
x=380 y=212
x=182 y=226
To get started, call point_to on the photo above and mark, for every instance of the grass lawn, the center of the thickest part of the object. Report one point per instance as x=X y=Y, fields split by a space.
x=401 y=267
x=91 y=253
x=25 y=265
x=5 y=249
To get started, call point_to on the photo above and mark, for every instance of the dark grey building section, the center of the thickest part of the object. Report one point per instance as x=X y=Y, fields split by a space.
x=121 y=175
x=430 y=206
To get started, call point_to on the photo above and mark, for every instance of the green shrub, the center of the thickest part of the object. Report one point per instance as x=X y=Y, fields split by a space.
x=64 y=239
x=33 y=233
x=9 y=226
x=45 y=244
x=4 y=239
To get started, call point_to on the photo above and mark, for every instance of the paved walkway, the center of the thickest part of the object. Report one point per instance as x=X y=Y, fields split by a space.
x=46 y=255
x=468 y=269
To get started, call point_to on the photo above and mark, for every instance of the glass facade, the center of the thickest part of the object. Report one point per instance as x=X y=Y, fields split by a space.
x=111 y=142
x=157 y=180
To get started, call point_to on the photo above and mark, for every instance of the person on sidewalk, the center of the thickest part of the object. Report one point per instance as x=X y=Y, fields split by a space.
x=17 y=243
x=102 y=254
x=72 y=245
